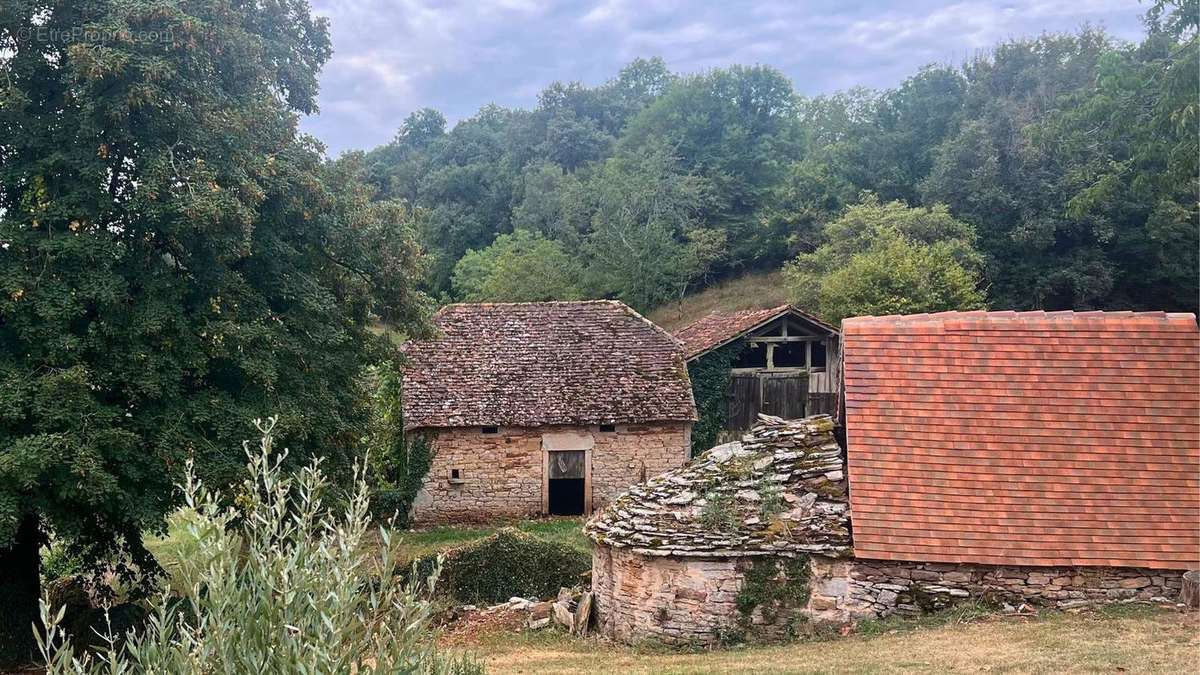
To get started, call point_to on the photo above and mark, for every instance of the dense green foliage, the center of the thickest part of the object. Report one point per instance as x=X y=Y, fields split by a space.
x=710 y=376
x=507 y=564
x=520 y=267
x=1072 y=156
x=282 y=583
x=399 y=462
x=176 y=261
x=879 y=259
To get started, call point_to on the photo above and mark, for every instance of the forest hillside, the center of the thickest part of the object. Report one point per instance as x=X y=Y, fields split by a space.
x=1046 y=173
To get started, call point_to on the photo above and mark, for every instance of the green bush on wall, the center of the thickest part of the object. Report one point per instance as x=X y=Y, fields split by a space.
x=507 y=564
x=710 y=387
x=399 y=462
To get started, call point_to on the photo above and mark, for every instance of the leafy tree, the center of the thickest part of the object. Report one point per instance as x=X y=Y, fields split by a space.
x=553 y=203
x=889 y=258
x=176 y=260
x=519 y=267
x=736 y=129
x=646 y=243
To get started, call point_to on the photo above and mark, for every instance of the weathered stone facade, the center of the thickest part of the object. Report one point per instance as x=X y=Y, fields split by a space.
x=720 y=548
x=499 y=475
x=680 y=600
x=849 y=589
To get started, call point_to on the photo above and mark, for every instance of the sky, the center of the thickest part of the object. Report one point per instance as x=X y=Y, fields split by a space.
x=392 y=57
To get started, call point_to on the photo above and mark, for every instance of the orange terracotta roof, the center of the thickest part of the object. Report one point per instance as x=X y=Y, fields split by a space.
x=1025 y=438
x=715 y=330
x=537 y=363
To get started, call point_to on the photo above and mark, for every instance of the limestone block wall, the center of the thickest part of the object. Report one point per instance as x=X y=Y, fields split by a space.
x=677 y=600
x=633 y=454
x=858 y=588
x=682 y=600
x=499 y=475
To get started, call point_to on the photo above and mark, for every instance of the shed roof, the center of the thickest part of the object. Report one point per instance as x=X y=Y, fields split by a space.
x=539 y=363
x=781 y=491
x=716 y=330
x=1025 y=438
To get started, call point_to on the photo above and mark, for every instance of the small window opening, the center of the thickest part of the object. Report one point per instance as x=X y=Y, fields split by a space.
x=455 y=473
x=491 y=430
x=790 y=355
x=818 y=355
x=608 y=428
x=754 y=355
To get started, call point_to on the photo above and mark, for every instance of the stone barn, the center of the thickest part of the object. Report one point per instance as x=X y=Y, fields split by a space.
x=543 y=408
x=728 y=545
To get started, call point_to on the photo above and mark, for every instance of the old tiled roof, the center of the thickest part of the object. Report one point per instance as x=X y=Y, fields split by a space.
x=1025 y=438
x=536 y=363
x=781 y=491
x=715 y=330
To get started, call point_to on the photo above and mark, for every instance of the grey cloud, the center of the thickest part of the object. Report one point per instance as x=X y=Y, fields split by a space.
x=394 y=57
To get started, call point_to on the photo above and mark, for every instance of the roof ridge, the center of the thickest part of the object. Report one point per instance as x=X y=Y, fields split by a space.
x=657 y=328
x=1037 y=314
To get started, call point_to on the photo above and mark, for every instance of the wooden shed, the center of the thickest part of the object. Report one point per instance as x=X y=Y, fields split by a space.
x=779 y=361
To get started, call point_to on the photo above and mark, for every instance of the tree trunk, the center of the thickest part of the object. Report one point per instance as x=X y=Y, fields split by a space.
x=20 y=588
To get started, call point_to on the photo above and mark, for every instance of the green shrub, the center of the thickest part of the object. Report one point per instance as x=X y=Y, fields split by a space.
x=399 y=462
x=283 y=584
x=718 y=514
x=507 y=564
x=59 y=560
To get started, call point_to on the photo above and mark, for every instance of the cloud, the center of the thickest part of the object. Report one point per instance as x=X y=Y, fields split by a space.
x=393 y=57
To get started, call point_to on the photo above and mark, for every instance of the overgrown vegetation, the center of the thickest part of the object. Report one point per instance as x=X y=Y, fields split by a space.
x=280 y=584
x=879 y=259
x=507 y=564
x=176 y=259
x=399 y=461
x=771 y=586
x=718 y=512
x=710 y=376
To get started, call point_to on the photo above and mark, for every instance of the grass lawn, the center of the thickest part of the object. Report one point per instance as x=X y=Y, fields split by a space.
x=1135 y=639
x=417 y=543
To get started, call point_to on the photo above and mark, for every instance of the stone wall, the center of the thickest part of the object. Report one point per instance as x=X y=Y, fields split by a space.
x=694 y=601
x=500 y=474
x=679 y=600
x=845 y=590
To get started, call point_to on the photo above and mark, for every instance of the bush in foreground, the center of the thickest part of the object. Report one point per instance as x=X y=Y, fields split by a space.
x=278 y=584
x=506 y=564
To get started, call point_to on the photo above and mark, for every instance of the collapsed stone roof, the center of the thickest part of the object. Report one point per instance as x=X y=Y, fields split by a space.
x=538 y=363
x=712 y=331
x=781 y=491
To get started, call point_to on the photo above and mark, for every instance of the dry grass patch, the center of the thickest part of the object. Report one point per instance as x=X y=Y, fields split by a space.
x=1135 y=640
x=752 y=291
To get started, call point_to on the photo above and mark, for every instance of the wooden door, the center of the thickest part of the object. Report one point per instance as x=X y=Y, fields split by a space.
x=785 y=395
x=745 y=400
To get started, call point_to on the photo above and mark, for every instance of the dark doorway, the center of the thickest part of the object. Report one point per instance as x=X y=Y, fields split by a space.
x=566 y=482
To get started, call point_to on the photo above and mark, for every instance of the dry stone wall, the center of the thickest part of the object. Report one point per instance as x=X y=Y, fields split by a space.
x=857 y=588
x=500 y=474
x=679 y=600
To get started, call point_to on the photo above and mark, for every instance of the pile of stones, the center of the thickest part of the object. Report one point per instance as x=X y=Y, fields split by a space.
x=781 y=490
x=572 y=609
